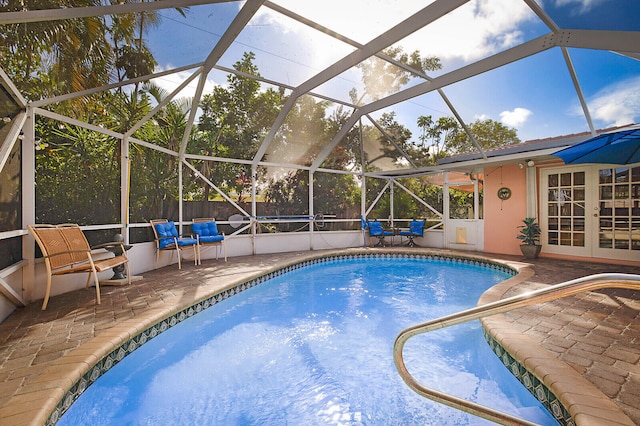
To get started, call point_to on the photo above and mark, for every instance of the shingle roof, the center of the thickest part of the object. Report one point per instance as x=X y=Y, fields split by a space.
x=531 y=146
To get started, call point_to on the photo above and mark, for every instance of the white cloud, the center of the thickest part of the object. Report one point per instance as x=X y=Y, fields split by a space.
x=581 y=6
x=515 y=118
x=478 y=29
x=475 y=30
x=617 y=104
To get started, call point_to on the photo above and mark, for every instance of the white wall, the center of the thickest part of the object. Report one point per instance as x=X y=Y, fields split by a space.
x=464 y=234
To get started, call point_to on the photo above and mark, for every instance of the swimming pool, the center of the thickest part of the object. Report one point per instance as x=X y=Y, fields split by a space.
x=325 y=357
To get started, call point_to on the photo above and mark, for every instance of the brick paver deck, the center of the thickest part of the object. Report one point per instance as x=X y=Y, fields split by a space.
x=594 y=336
x=596 y=333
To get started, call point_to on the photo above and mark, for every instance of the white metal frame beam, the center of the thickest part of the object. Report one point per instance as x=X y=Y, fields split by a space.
x=617 y=41
x=519 y=52
x=215 y=188
x=90 y=11
x=390 y=139
x=413 y=23
x=87 y=92
x=379 y=55
x=420 y=200
x=578 y=89
x=14 y=132
x=243 y=17
x=12 y=89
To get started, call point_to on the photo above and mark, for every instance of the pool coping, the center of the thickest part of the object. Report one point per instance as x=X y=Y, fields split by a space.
x=51 y=389
x=521 y=354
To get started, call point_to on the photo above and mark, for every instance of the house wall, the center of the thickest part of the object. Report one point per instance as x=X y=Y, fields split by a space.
x=502 y=218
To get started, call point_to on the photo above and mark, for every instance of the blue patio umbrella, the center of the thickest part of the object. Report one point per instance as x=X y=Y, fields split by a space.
x=621 y=147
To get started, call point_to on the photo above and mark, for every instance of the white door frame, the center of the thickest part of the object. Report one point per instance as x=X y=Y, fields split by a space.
x=463 y=234
x=568 y=197
x=560 y=223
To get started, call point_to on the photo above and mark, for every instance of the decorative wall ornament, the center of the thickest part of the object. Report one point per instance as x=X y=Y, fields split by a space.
x=504 y=193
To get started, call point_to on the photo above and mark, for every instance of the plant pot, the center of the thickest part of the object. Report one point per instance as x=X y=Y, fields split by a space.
x=530 y=251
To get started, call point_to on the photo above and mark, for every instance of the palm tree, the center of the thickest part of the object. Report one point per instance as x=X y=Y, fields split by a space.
x=73 y=53
x=64 y=56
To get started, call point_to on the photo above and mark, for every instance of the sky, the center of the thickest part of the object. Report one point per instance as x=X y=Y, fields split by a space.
x=535 y=95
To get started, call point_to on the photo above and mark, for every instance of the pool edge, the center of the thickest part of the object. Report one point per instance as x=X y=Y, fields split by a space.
x=104 y=344
x=571 y=398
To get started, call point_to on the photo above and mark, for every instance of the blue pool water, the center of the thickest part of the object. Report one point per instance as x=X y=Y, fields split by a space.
x=314 y=346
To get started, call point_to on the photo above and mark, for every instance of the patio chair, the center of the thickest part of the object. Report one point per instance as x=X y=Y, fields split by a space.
x=66 y=251
x=375 y=230
x=206 y=232
x=416 y=229
x=167 y=238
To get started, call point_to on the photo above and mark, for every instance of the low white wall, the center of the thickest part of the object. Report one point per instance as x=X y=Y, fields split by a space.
x=464 y=234
x=433 y=238
x=281 y=243
x=337 y=239
x=6 y=308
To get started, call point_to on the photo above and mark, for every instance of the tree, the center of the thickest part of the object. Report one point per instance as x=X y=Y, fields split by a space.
x=303 y=134
x=155 y=174
x=381 y=77
x=346 y=155
x=435 y=134
x=234 y=121
x=133 y=58
x=69 y=54
x=76 y=170
x=488 y=134
x=379 y=146
x=50 y=58
x=308 y=126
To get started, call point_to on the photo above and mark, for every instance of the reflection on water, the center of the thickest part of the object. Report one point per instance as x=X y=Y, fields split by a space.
x=314 y=346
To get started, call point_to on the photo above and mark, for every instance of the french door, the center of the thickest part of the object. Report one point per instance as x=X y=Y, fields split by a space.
x=591 y=211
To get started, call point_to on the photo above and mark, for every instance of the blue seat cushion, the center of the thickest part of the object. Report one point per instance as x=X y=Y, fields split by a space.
x=417 y=228
x=205 y=229
x=375 y=230
x=167 y=230
x=166 y=233
x=182 y=242
x=211 y=239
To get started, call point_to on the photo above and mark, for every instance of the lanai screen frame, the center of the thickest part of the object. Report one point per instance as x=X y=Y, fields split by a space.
x=623 y=42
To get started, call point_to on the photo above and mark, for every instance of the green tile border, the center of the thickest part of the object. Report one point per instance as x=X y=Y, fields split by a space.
x=118 y=354
x=530 y=381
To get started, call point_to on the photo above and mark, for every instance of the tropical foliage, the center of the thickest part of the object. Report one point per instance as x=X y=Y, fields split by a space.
x=78 y=171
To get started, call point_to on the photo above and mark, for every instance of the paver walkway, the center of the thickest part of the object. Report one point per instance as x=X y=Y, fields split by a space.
x=596 y=333
x=42 y=353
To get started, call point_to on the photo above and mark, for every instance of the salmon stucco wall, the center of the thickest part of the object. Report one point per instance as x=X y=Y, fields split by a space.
x=502 y=218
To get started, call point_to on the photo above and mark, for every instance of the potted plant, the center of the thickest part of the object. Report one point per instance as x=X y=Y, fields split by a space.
x=530 y=236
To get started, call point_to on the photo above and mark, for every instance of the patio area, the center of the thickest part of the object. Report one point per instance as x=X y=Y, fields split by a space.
x=595 y=335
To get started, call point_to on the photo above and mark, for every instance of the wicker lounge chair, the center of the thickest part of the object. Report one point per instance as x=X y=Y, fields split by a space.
x=167 y=238
x=66 y=251
x=206 y=232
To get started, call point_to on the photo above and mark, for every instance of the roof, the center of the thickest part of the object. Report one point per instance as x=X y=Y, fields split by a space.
x=534 y=148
